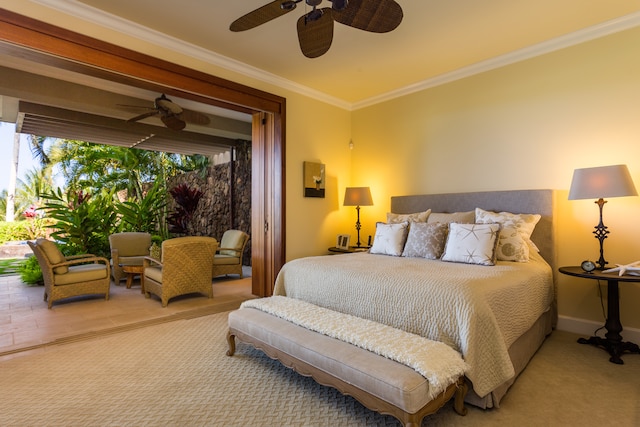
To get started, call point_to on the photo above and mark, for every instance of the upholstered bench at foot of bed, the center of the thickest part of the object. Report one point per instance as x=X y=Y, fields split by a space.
x=380 y=384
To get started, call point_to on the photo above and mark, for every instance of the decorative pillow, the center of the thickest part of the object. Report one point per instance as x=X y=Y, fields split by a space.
x=512 y=246
x=389 y=238
x=472 y=243
x=426 y=240
x=447 y=218
x=524 y=223
x=54 y=255
x=393 y=218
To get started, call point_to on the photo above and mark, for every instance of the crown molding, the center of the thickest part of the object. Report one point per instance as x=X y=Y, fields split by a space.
x=590 y=33
x=103 y=19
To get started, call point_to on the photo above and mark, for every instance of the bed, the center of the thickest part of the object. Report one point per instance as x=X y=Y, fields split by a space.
x=495 y=316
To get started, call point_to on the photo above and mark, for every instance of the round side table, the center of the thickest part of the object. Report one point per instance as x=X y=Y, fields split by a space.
x=132 y=271
x=612 y=342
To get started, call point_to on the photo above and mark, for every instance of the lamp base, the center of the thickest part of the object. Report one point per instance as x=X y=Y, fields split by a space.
x=601 y=232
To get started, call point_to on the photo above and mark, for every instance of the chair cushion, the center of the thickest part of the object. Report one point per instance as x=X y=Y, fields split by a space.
x=220 y=259
x=130 y=260
x=81 y=273
x=153 y=273
x=131 y=244
x=232 y=239
x=53 y=254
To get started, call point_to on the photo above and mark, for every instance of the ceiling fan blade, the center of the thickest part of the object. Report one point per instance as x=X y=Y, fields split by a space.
x=195 y=117
x=376 y=16
x=315 y=32
x=143 y=116
x=263 y=14
x=173 y=122
x=133 y=108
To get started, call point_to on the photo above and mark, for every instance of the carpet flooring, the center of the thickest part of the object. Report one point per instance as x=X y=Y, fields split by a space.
x=177 y=374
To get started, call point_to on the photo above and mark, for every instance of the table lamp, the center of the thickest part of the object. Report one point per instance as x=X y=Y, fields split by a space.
x=597 y=183
x=358 y=196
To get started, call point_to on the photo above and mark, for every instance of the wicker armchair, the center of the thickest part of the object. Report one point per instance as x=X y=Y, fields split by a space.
x=70 y=276
x=228 y=259
x=128 y=248
x=185 y=268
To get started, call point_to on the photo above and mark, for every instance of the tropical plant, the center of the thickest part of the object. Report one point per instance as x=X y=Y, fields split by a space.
x=147 y=214
x=196 y=162
x=187 y=200
x=20 y=204
x=83 y=221
x=36 y=182
x=91 y=166
x=30 y=271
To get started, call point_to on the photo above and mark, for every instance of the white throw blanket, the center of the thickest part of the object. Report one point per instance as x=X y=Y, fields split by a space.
x=437 y=362
x=476 y=310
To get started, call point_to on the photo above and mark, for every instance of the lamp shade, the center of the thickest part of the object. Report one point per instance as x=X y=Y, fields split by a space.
x=357 y=196
x=601 y=182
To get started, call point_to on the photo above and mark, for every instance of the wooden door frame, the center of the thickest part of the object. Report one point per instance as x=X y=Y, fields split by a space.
x=46 y=44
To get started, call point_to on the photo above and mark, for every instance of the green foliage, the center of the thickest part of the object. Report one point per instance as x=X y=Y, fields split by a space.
x=36 y=227
x=13 y=231
x=83 y=221
x=10 y=266
x=30 y=271
x=23 y=230
x=147 y=214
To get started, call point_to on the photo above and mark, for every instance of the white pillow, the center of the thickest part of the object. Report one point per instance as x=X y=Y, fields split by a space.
x=426 y=240
x=512 y=246
x=389 y=238
x=393 y=218
x=472 y=243
x=524 y=223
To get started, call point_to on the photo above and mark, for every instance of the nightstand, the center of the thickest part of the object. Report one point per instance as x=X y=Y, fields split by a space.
x=352 y=249
x=613 y=340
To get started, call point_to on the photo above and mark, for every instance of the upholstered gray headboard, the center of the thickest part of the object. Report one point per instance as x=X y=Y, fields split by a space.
x=516 y=201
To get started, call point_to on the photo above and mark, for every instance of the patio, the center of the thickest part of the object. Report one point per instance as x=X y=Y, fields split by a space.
x=26 y=325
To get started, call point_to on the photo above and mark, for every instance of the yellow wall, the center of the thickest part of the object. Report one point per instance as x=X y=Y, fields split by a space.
x=527 y=125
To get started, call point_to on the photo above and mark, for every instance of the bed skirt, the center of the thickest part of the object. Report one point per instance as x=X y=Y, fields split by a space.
x=520 y=352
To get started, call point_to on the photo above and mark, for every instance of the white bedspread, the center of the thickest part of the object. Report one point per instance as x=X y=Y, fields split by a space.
x=479 y=311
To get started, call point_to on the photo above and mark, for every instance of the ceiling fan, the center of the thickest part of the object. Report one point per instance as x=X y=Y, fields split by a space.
x=172 y=115
x=315 y=28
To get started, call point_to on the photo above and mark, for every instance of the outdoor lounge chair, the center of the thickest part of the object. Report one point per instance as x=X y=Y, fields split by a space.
x=70 y=276
x=228 y=259
x=128 y=248
x=185 y=268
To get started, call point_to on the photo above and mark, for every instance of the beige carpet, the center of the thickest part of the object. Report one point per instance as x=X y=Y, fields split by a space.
x=177 y=373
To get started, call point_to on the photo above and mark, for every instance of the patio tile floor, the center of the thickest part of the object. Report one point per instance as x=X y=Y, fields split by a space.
x=26 y=325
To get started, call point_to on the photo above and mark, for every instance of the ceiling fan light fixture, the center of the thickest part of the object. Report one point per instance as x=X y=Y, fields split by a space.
x=314 y=15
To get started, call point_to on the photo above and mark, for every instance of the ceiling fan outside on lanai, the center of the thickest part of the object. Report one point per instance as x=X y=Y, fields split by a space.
x=315 y=28
x=172 y=115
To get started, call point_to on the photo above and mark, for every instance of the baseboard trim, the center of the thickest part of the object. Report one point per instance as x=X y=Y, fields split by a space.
x=587 y=327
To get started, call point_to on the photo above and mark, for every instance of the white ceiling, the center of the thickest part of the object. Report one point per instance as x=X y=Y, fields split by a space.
x=437 y=38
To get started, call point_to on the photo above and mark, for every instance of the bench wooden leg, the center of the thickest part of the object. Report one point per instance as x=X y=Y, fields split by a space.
x=461 y=392
x=231 y=340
